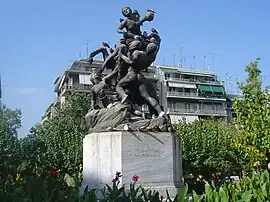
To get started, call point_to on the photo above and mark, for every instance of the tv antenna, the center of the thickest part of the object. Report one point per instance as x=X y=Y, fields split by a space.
x=213 y=55
x=174 y=60
x=204 y=62
x=181 y=56
x=87 y=51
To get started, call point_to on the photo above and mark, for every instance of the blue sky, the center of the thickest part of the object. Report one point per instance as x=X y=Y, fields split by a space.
x=39 y=40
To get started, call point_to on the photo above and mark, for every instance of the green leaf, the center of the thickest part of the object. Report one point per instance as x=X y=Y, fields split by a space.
x=223 y=196
x=182 y=194
x=196 y=198
x=246 y=196
x=69 y=180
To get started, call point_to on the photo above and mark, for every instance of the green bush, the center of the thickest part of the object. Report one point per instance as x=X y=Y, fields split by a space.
x=253 y=114
x=63 y=134
x=253 y=188
x=10 y=155
x=208 y=147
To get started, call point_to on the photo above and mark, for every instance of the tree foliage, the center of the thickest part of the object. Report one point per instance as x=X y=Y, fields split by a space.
x=33 y=149
x=10 y=122
x=208 y=147
x=63 y=134
x=253 y=114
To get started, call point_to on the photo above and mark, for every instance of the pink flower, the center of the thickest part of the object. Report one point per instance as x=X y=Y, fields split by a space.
x=135 y=178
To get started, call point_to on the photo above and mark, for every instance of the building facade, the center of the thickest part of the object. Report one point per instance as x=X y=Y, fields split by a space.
x=190 y=94
x=184 y=94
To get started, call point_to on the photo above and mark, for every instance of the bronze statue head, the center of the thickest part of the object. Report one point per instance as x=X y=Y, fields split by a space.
x=126 y=11
x=151 y=48
x=135 y=45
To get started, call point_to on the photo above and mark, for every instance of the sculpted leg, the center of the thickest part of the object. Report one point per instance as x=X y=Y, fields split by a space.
x=150 y=100
x=101 y=50
x=123 y=83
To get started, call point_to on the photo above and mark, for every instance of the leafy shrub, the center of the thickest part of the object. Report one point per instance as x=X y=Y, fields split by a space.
x=255 y=187
x=253 y=114
x=208 y=147
x=63 y=134
x=10 y=156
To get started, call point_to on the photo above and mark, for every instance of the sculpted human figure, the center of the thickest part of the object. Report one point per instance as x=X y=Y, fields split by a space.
x=138 y=61
x=97 y=91
x=114 y=58
x=132 y=23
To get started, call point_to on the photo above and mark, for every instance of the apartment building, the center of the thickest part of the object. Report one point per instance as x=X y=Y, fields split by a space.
x=77 y=78
x=188 y=94
x=191 y=94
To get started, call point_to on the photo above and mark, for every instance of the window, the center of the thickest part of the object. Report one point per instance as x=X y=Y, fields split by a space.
x=187 y=106
x=167 y=76
x=172 y=89
x=84 y=79
x=75 y=79
x=171 y=105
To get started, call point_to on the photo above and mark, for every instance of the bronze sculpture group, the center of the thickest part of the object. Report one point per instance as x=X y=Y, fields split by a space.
x=125 y=87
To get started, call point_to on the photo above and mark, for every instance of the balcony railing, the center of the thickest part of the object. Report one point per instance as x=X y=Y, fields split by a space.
x=194 y=81
x=197 y=111
x=182 y=94
x=195 y=95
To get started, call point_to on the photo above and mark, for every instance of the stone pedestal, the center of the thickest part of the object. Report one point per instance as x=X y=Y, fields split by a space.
x=154 y=157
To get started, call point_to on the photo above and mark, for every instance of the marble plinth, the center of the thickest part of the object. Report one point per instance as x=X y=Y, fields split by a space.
x=154 y=157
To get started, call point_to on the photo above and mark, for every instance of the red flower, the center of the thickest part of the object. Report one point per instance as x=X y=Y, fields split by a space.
x=135 y=178
x=215 y=178
x=53 y=172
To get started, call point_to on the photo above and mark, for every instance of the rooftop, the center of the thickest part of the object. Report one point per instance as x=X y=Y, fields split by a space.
x=186 y=71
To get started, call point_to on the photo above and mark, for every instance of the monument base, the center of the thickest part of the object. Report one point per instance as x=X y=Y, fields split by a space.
x=154 y=157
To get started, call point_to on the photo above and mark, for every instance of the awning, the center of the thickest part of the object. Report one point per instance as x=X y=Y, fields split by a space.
x=218 y=89
x=169 y=71
x=182 y=85
x=205 y=88
x=212 y=89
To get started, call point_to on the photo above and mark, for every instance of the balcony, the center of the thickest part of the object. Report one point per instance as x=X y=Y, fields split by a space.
x=209 y=112
x=193 y=95
x=194 y=81
x=181 y=94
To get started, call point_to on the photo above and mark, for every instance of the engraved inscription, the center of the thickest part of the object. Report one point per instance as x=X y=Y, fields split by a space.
x=147 y=152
